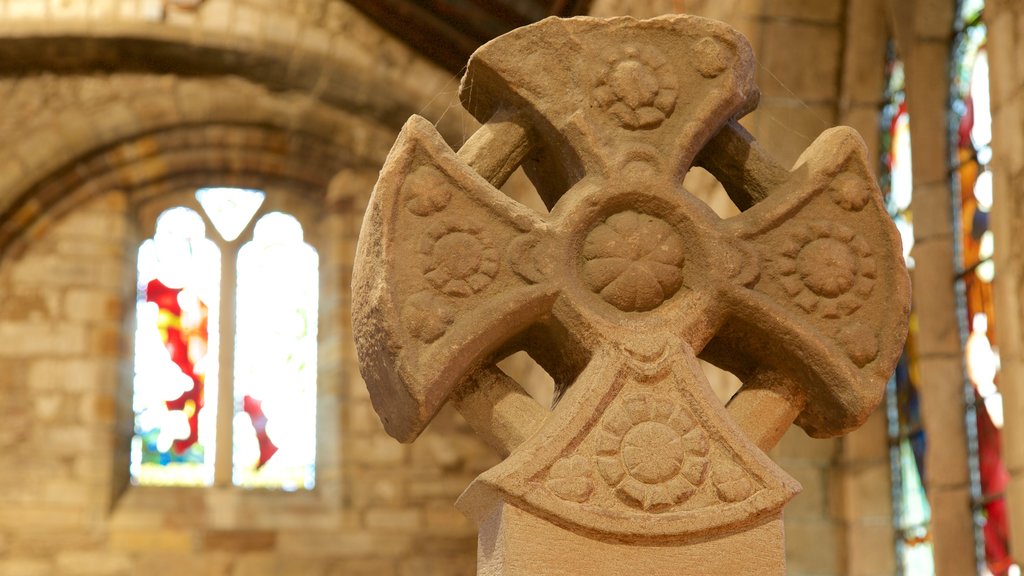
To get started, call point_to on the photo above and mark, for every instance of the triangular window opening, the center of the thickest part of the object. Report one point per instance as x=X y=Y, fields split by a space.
x=230 y=209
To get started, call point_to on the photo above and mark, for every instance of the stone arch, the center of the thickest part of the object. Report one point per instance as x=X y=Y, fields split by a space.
x=171 y=128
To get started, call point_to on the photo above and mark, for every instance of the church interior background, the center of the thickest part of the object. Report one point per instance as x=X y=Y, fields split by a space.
x=163 y=162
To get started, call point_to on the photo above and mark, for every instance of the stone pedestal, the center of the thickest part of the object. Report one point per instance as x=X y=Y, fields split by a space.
x=516 y=543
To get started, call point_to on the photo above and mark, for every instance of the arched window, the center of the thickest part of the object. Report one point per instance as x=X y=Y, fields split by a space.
x=226 y=347
x=971 y=152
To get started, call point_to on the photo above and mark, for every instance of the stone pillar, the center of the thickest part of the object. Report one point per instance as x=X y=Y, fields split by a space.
x=923 y=37
x=339 y=226
x=1005 y=21
x=861 y=476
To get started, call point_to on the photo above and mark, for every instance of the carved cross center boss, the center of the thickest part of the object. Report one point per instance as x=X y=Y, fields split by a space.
x=627 y=281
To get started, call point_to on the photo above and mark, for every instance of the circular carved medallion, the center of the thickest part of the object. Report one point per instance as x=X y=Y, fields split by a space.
x=827 y=267
x=426 y=316
x=426 y=191
x=461 y=260
x=638 y=88
x=651 y=452
x=633 y=261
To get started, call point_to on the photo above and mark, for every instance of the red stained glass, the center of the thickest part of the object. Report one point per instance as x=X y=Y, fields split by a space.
x=185 y=335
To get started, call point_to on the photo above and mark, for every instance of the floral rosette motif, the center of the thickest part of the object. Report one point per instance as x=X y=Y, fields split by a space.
x=426 y=316
x=651 y=452
x=850 y=191
x=570 y=479
x=638 y=88
x=461 y=260
x=633 y=261
x=731 y=483
x=426 y=191
x=826 y=268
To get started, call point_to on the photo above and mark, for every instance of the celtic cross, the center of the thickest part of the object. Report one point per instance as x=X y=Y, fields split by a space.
x=616 y=292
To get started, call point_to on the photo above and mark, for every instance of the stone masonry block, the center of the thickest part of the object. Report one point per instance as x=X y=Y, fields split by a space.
x=69 y=375
x=869 y=443
x=1007 y=137
x=821 y=558
x=931 y=206
x=862 y=492
x=442 y=519
x=343 y=544
x=394 y=519
x=925 y=68
x=438 y=566
x=800 y=61
x=239 y=540
x=933 y=19
x=1015 y=508
x=798 y=447
x=363 y=567
x=33 y=339
x=869 y=548
x=69 y=9
x=812 y=502
x=942 y=413
x=376 y=451
x=787 y=126
x=26 y=567
x=1002 y=58
x=952 y=531
x=162 y=540
x=26 y=9
x=820 y=11
x=85 y=304
x=102 y=9
x=865 y=44
x=1010 y=377
x=376 y=489
x=939 y=332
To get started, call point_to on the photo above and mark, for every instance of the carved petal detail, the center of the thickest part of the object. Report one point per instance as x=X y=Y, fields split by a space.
x=634 y=261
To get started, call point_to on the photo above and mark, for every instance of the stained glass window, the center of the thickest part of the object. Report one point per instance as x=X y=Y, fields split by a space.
x=275 y=355
x=175 y=344
x=269 y=345
x=971 y=152
x=911 y=510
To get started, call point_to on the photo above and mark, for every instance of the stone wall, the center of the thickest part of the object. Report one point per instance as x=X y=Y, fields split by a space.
x=923 y=32
x=85 y=149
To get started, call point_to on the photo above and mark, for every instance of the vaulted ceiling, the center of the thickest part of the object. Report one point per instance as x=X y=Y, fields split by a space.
x=448 y=31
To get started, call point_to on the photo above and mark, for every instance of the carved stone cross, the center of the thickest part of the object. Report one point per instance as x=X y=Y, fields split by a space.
x=618 y=290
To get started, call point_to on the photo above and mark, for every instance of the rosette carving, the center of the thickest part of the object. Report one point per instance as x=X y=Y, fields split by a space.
x=826 y=268
x=638 y=88
x=634 y=261
x=651 y=452
x=460 y=259
x=570 y=479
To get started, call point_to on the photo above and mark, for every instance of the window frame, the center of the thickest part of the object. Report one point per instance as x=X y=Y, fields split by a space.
x=145 y=213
